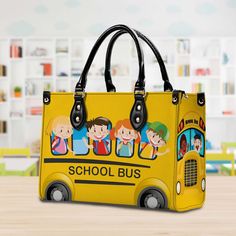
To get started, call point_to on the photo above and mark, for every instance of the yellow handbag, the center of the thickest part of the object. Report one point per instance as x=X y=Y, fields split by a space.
x=138 y=148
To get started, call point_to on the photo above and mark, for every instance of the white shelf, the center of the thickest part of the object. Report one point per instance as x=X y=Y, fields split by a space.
x=221 y=116
x=221 y=96
x=38 y=77
x=62 y=77
x=39 y=58
x=183 y=54
x=228 y=66
x=16 y=118
x=169 y=65
x=76 y=59
x=206 y=77
x=62 y=54
x=16 y=99
x=34 y=96
x=33 y=117
x=18 y=59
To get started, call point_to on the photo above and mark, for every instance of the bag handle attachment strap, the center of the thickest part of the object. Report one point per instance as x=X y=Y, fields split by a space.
x=110 y=86
x=78 y=114
x=138 y=115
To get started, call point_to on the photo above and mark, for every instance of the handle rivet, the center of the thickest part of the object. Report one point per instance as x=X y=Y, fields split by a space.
x=78 y=107
x=46 y=99
x=77 y=119
x=139 y=107
x=201 y=101
x=137 y=119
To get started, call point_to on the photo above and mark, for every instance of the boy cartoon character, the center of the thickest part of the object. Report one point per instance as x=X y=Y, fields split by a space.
x=60 y=130
x=184 y=146
x=157 y=136
x=98 y=131
x=126 y=136
x=197 y=143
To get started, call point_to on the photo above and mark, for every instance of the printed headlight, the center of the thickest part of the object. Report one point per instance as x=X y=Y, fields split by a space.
x=203 y=185
x=178 y=187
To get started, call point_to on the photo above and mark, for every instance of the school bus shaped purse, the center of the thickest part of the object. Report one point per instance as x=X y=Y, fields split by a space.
x=138 y=148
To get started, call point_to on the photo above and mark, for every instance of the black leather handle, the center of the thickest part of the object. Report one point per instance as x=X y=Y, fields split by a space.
x=110 y=86
x=80 y=86
x=138 y=114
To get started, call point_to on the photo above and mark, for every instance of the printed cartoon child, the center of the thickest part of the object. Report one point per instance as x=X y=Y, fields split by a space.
x=197 y=143
x=60 y=130
x=157 y=135
x=98 y=131
x=126 y=136
x=184 y=146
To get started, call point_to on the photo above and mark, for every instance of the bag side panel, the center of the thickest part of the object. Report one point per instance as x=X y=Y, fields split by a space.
x=190 y=155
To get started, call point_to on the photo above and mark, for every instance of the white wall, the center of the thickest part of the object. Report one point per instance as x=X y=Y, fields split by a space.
x=91 y=17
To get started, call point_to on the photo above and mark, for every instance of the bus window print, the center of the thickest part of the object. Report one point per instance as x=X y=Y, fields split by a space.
x=98 y=131
x=154 y=137
x=125 y=137
x=198 y=142
x=60 y=130
x=183 y=144
x=80 y=140
x=190 y=140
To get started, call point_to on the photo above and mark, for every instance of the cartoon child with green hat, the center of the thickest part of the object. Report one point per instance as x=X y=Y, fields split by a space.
x=157 y=135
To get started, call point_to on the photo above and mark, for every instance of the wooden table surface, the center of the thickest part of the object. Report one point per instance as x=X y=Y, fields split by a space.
x=22 y=213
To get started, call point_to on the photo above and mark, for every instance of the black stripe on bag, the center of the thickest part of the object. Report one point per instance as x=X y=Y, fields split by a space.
x=77 y=181
x=91 y=161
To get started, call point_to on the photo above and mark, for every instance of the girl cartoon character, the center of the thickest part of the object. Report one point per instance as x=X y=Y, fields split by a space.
x=60 y=130
x=156 y=136
x=184 y=146
x=125 y=135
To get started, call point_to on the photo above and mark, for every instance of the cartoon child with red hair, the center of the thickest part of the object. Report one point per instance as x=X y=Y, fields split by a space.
x=125 y=135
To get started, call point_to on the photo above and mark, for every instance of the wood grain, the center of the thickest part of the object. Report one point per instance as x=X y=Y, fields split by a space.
x=22 y=213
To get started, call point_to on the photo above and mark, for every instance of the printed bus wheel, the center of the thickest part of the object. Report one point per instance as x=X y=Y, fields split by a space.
x=58 y=192
x=152 y=199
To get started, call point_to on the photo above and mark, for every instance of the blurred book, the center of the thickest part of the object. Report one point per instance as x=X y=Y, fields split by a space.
x=35 y=111
x=183 y=46
x=16 y=114
x=2 y=96
x=3 y=70
x=15 y=51
x=197 y=87
x=3 y=126
x=184 y=70
x=62 y=50
x=228 y=112
x=47 y=69
x=228 y=88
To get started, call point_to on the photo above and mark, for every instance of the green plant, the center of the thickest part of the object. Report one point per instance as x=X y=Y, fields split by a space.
x=17 y=89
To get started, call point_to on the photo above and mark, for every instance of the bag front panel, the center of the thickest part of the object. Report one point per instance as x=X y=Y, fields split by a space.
x=107 y=149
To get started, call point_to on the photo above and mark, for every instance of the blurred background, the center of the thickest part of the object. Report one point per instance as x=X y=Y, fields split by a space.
x=44 y=45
